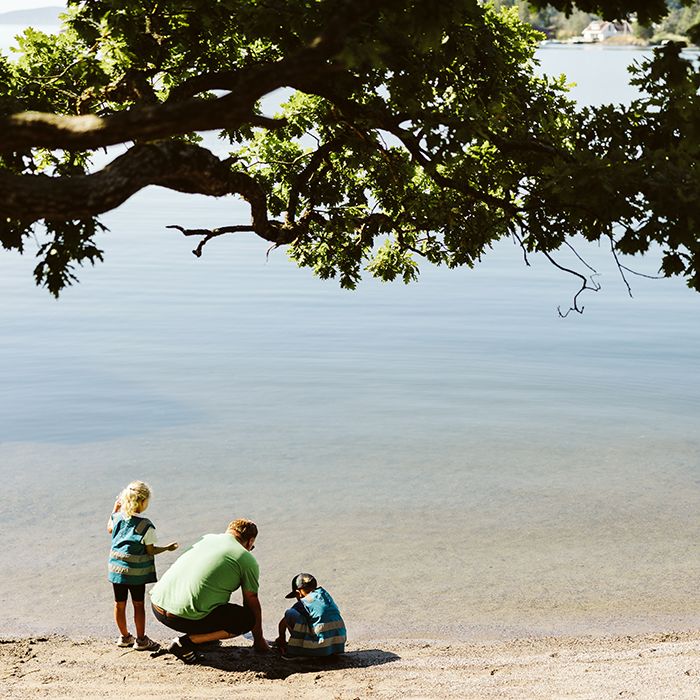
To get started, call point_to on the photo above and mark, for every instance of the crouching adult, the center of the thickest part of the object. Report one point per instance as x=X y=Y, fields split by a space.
x=193 y=595
x=314 y=623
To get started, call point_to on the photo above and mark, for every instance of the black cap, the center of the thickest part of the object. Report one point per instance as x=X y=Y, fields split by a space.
x=301 y=581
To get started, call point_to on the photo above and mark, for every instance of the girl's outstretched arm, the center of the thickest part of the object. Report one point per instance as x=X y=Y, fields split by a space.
x=117 y=507
x=152 y=550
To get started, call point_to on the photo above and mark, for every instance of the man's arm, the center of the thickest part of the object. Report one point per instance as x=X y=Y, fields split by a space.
x=252 y=601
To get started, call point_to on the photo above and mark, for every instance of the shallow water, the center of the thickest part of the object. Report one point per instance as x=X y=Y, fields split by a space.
x=450 y=459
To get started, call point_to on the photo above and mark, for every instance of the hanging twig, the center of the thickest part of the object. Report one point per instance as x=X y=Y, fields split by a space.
x=619 y=267
x=641 y=274
x=575 y=252
x=584 y=286
x=521 y=243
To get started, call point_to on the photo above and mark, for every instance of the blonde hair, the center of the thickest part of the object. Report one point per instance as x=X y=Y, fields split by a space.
x=242 y=529
x=133 y=497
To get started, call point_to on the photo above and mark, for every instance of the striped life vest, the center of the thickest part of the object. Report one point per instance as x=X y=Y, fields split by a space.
x=323 y=631
x=128 y=561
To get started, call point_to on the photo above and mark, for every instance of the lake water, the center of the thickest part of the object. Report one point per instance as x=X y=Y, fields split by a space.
x=451 y=459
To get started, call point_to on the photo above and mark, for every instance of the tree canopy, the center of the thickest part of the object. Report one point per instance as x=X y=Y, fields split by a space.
x=412 y=131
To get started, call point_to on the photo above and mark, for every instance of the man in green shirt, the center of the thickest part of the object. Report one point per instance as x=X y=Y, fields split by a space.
x=193 y=595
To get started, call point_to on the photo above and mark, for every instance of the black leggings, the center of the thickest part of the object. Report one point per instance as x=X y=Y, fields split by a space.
x=235 y=619
x=122 y=590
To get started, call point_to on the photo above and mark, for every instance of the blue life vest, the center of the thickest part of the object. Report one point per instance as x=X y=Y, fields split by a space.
x=323 y=631
x=128 y=561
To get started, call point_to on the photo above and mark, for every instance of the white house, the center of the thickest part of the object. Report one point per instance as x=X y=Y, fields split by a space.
x=600 y=30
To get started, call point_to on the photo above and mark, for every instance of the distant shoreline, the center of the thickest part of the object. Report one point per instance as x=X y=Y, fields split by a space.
x=609 y=44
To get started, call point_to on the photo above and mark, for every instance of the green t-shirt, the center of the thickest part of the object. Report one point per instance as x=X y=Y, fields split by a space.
x=205 y=576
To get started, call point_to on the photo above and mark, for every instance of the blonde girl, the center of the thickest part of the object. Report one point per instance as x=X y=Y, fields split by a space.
x=132 y=561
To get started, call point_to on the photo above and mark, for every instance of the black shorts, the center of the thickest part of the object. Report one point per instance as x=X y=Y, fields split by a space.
x=234 y=619
x=122 y=590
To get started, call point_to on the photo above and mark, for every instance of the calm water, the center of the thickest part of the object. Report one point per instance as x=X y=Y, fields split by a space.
x=450 y=458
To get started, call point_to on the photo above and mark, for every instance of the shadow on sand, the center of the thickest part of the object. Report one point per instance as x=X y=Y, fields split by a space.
x=273 y=666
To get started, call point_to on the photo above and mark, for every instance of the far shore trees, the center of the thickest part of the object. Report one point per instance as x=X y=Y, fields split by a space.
x=413 y=131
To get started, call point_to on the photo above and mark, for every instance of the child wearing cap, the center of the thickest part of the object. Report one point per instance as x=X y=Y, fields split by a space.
x=314 y=623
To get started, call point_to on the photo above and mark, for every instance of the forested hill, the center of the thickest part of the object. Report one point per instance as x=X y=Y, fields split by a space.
x=40 y=16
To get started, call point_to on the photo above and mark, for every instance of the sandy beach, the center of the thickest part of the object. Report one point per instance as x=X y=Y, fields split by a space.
x=649 y=667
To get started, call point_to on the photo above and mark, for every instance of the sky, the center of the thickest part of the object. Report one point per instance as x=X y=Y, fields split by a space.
x=11 y=5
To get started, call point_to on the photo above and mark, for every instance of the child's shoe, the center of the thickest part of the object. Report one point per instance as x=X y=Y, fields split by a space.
x=126 y=641
x=146 y=644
